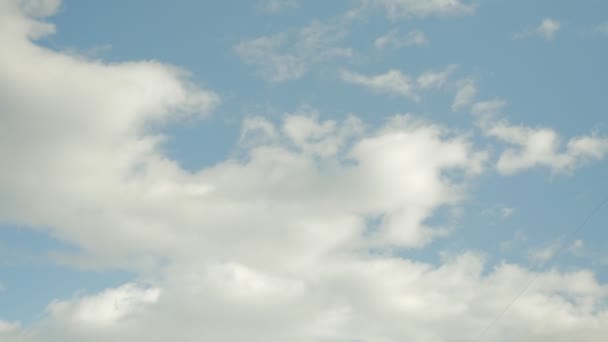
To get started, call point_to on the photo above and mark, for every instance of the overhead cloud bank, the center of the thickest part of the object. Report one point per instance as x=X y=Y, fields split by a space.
x=299 y=240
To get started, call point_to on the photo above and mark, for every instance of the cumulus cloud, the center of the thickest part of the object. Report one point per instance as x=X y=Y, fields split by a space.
x=546 y=30
x=289 y=55
x=103 y=309
x=107 y=187
x=89 y=132
x=8 y=327
x=530 y=147
x=394 y=39
x=365 y=298
x=541 y=147
x=397 y=83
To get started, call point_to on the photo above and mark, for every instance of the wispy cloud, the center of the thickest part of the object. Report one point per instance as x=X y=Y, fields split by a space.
x=546 y=30
x=601 y=29
x=391 y=82
x=543 y=254
x=394 y=39
x=396 y=82
x=499 y=211
x=517 y=241
x=276 y=6
x=465 y=94
x=288 y=56
x=403 y=9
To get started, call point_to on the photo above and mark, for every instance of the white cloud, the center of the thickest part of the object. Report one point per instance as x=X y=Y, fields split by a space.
x=435 y=79
x=397 y=83
x=541 y=147
x=274 y=246
x=363 y=298
x=257 y=131
x=288 y=56
x=106 y=308
x=392 y=82
x=8 y=329
x=320 y=138
x=91 y=168
x=465 y=94
x=399 y=9
x=87 y=136
x=276 y=6
x=546 y=30
x=530 y=147
x=394 y=39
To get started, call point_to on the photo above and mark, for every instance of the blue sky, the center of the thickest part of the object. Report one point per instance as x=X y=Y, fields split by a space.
x=365 y=170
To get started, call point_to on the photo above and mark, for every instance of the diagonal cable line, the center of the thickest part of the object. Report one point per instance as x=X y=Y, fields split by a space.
x=555 y=256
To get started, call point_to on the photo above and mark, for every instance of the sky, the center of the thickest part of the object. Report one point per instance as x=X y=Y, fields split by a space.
x=314 y=171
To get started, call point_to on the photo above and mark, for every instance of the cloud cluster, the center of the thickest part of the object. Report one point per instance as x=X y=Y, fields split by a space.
x=300 y=238
x=367 y=299
x=528 y=147
x=541 y=147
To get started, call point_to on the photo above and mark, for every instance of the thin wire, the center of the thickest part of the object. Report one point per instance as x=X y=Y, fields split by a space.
x=555 y=256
